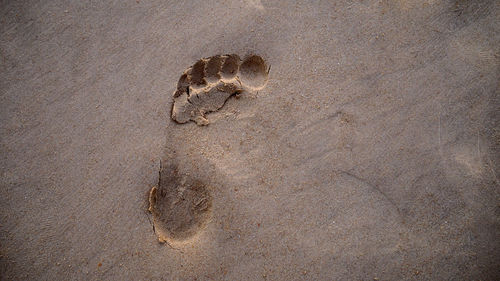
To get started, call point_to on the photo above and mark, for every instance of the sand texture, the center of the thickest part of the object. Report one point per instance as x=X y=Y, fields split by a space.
x=250 y=140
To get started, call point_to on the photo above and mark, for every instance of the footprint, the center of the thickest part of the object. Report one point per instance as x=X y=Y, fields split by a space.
x=205 y=86
x=181 y=206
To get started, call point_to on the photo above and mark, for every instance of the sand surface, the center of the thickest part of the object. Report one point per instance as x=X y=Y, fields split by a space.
x=373 y=151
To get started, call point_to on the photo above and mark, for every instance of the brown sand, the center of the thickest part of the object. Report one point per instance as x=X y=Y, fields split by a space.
x=372 y=151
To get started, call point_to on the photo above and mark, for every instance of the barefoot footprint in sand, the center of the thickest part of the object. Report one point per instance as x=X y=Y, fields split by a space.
x=180 y=204
x=205 y=86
